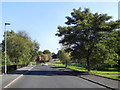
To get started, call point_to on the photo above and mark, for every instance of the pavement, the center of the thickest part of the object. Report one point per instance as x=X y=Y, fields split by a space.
x=55 y=77
x=8 y=78
x=106 y=82
x=102 y=81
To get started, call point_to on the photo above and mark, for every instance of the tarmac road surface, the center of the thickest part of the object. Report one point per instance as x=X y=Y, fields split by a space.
x=51 y=77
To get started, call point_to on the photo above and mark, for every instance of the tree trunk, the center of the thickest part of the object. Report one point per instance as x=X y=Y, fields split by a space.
x=88 y=61
x=88 y=64
x=119 y=63
x=66 y=64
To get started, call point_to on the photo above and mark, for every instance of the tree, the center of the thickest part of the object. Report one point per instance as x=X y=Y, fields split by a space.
x=64 y=57
x=8 y=62
x=40 y=52
x=118 y=45
x=34 y=51
x=101 y=55
x=44 y=57
x=0 y=56
x=54 y=56
x=20 y=48
x=111 y=42
x=49 y=57
x=46 y=52
x=83 y=32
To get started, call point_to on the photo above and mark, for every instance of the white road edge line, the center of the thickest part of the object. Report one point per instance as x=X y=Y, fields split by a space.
x=13 y=81
x=16 y=78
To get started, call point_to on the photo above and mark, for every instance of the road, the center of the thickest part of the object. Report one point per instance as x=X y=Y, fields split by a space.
x=51 y=77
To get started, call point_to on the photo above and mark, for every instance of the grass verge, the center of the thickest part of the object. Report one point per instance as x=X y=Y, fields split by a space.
x=109 y=74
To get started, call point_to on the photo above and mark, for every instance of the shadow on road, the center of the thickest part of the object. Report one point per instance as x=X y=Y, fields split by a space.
x=52 y=71
x=55 y=73
x=18 y=72
x=47 y=73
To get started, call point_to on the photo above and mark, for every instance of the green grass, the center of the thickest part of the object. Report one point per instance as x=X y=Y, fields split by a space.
x=109 y=73
x=71 y=67
x=95 y=71
x=111 y=76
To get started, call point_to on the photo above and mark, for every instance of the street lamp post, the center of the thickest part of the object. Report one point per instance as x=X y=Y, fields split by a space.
x=7 y=23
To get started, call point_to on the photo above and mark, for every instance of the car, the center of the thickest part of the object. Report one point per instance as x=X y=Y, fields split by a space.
x=45 y=64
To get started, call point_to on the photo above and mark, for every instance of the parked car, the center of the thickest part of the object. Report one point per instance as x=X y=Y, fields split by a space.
x=45 y=64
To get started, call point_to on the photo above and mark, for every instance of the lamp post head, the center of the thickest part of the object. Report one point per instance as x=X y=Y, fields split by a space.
x=7 y=23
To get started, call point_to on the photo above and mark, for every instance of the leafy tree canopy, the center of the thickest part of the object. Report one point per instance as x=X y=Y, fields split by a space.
x=83 y=31
x=46 y=52
x=20 y=48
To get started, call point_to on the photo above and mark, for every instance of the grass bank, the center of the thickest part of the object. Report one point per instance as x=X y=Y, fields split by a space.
x=113 y=73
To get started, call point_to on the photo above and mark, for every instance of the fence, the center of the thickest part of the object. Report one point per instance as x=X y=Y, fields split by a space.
x=11 y=68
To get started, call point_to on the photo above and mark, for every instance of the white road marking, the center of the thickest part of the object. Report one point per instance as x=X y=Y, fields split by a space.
x=17 y=78
x=13 y=81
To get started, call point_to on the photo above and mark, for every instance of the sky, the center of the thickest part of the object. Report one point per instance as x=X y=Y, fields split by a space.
x=41 y=19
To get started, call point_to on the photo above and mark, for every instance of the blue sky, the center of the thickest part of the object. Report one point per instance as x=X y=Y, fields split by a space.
x=41 y=19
